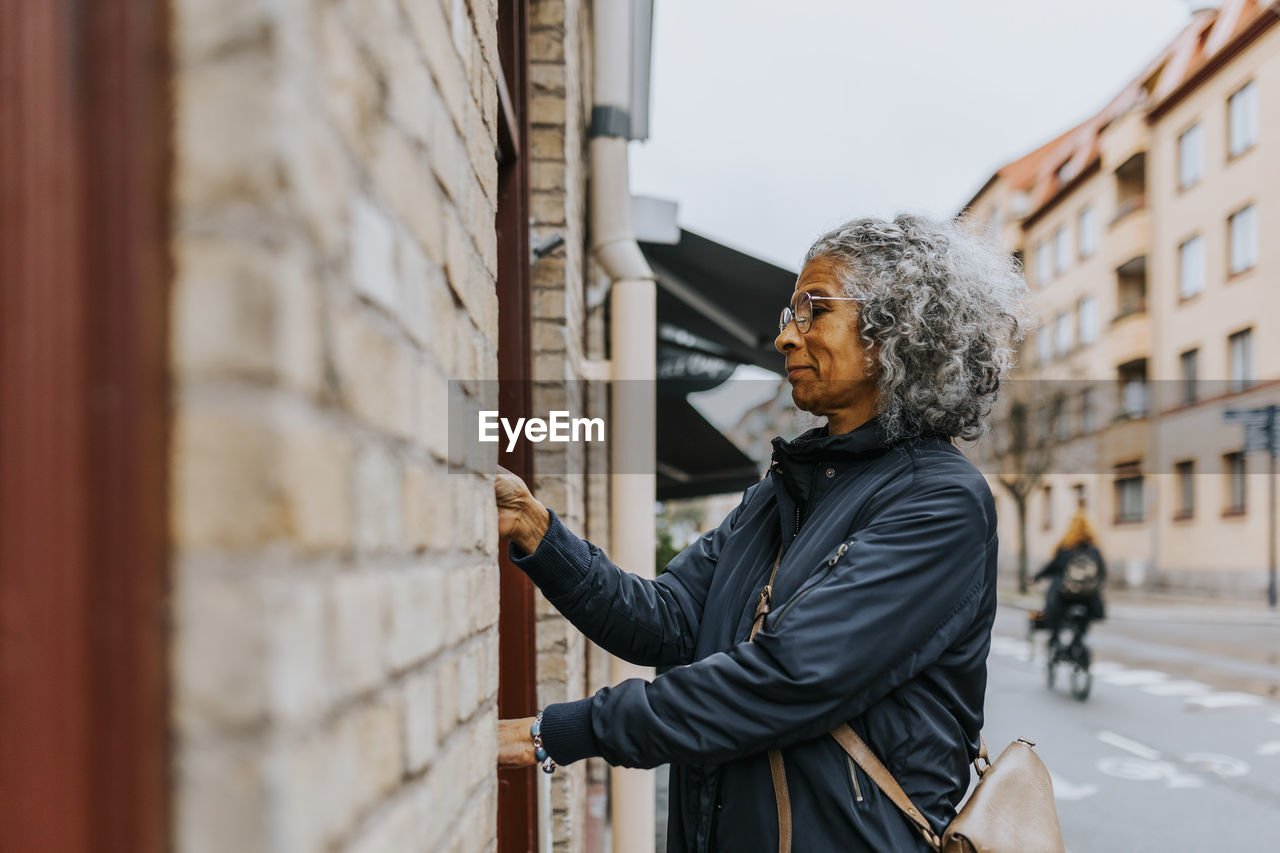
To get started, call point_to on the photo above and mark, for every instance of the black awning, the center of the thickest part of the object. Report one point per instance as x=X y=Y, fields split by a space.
x=721 y=296
x=717 y=308
x=694 y=458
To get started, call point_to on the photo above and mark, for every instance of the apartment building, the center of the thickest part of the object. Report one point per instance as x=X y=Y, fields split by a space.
x=1142 y=233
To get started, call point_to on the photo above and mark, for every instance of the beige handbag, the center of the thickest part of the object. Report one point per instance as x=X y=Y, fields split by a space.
x=1011 y=810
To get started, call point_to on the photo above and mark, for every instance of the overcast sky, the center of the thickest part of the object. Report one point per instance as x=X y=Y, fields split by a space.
x=772 y=121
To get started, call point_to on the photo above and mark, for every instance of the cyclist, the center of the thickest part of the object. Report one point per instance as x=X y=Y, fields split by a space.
x=1077 y=572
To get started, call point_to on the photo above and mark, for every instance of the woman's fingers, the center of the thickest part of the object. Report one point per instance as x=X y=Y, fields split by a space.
x=521 y=517
x=515 y=744
x=511 y=495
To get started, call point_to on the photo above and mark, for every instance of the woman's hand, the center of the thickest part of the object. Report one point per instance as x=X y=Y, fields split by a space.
x=521 y=516
x=515 y=744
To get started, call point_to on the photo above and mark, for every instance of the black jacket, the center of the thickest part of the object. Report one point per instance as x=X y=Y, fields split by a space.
x=884 y=602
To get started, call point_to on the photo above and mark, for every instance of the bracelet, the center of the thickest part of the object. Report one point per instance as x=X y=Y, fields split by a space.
x=548 y=766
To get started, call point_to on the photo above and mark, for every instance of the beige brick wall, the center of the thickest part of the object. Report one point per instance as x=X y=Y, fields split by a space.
x=335 y=599
x=564 y=336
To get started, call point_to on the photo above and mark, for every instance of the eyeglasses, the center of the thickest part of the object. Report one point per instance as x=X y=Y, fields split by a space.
x=801 y=310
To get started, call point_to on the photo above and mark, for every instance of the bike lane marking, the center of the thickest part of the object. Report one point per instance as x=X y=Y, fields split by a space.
x=1132 y=677
x=1176 y=688
x=1131 y=746
x=1227 y=700
x=1069 y=791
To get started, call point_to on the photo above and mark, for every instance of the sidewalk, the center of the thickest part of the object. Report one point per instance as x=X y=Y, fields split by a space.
x=1137 y=606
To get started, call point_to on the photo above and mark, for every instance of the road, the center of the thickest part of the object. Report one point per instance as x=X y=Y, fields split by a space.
x=1154 y=760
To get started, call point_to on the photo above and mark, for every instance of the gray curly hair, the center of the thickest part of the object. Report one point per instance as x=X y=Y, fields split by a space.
x=945 y=308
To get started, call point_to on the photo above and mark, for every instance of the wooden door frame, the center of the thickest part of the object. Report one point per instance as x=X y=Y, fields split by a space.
x=517 y=620
x=84 y=181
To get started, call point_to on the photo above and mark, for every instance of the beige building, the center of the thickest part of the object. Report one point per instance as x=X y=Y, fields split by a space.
x=1142 y=235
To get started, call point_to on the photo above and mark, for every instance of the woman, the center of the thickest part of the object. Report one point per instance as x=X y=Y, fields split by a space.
x=879 y=615
x=1076 y=573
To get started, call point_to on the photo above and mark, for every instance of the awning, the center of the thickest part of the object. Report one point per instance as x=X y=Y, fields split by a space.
x=717 y=309
x=722 y=296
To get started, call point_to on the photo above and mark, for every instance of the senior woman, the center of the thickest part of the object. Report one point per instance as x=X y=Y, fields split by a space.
x=879 y=537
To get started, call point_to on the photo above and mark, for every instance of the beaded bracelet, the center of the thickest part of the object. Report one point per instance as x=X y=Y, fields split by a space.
x=548 y=766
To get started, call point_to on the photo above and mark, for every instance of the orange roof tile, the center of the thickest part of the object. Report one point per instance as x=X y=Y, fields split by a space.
x=1203 y=38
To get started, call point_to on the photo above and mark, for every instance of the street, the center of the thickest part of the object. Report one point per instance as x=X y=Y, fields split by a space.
x=1156 y=758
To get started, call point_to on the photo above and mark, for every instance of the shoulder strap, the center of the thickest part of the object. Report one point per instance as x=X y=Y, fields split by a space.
x=765 y=599
x=780 y=792
x=867 y=760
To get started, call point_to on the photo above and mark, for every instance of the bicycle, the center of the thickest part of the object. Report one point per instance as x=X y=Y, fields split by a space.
x=1075 y=654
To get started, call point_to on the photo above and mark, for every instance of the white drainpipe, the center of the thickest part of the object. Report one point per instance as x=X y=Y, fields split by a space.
x=632 y=333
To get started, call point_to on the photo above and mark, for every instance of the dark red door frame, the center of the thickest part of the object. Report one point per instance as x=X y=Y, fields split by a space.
x=517 y=622
x=84 y=277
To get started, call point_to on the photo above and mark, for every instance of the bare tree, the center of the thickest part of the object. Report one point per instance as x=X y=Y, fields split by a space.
x=1020 y=454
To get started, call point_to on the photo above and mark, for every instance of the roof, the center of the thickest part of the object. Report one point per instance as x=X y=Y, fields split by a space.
x=1210 y=36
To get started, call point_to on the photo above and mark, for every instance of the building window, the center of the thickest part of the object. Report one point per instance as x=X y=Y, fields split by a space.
x=1088 y=319
x=1243 y=230
x=1061 y=249
x=1233 y=465
x=1044 y=263
x=1044 y=346
x=1190 y=364
x=1133 y=388
x=1240 y=359
x=1061 y=425
x=1191 y=267
x=1242 y=117
x=1042 y=425
x=1062 y=334
x=1190 y=156
x=1086 y=232
x=1088 y=418
x=1082 y=502
x=1048 y=507
x=1129 y=506
x=1186 y=488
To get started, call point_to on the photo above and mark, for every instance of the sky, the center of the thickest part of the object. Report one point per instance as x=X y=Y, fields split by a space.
x=773 y=121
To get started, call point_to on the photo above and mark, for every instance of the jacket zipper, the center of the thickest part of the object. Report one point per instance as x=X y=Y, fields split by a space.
x=812 y=583
x=853 y=774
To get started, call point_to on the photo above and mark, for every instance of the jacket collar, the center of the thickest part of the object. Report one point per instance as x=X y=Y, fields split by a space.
x=817 y=445
x=794 y=461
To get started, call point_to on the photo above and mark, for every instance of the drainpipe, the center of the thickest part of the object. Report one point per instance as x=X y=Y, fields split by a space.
x=632 y=334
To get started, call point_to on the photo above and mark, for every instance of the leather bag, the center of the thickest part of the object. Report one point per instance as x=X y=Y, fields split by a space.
x=1011 y=809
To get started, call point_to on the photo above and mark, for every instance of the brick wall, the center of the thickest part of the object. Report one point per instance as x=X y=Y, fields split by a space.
x=335 y=596
x=564 y=336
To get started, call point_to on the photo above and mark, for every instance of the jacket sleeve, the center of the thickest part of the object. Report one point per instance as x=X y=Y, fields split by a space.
x=1052 y=569
x=906 y=587
x=646 y=622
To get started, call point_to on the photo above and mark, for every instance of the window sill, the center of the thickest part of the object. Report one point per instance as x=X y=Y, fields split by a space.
x=1184 y=516
x=1118 y=522
x=1235 y=512
x=1231 y=158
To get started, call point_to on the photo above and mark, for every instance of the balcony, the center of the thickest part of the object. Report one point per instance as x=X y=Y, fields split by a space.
x=1129 y=236
x=1134 y=393
x=1124 y=137
x=1129 y=337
